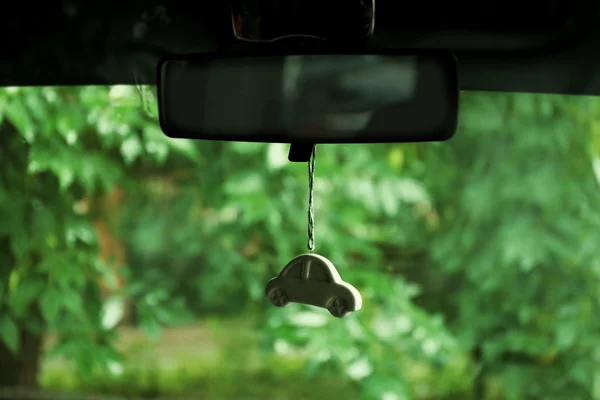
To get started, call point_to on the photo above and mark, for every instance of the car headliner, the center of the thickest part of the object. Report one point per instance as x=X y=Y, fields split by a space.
x=523 y=46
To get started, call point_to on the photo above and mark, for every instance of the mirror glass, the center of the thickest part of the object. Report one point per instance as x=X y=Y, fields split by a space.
x=319 y=98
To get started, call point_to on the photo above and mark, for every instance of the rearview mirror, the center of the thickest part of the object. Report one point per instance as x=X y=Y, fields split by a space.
x=317 y=98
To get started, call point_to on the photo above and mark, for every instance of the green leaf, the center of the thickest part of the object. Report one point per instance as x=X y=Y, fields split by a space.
x=50 y=302
x=79 y=230
x=65 y=175
x=81 y=350
x=44 y=221
x=17 y=113
x=566 y=335
x=246 y=147
x=19 y=243
x=173 y=314
x=184 y=147
x=9 y=333
x=248 y=183
x=87 y=177
x=73 y=302
x=2 y=106
x=24 y=294
x=277 y=155
x=113 y=310
x=67 y=275
x=149 y=323
x=389 y=199
x=158 y=144
x=131 y=149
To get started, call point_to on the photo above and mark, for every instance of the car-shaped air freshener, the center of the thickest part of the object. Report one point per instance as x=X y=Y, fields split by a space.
x=313 y=280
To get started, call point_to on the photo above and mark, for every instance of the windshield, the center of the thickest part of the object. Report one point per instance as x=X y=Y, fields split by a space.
x=134 y=265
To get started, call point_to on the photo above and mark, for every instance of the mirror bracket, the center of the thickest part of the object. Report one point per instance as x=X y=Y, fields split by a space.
x=300 y=152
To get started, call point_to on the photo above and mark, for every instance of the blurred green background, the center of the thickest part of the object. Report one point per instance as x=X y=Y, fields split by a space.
x=134 y=265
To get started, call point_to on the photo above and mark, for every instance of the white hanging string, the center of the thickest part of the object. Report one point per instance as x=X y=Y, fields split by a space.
x=311 y=210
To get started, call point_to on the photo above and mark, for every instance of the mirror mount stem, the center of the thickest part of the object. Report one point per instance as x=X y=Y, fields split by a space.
x=300 y=152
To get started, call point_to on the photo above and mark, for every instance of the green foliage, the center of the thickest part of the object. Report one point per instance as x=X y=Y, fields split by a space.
x=520 y=232
x=478 y=252
x=204 y=371
x=9 y=333
x=61 y=148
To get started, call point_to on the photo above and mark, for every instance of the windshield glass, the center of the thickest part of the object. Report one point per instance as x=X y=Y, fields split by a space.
x=134 y=265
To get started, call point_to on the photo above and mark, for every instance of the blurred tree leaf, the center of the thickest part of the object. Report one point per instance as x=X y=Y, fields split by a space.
x=9 y=333
x=24 y=295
